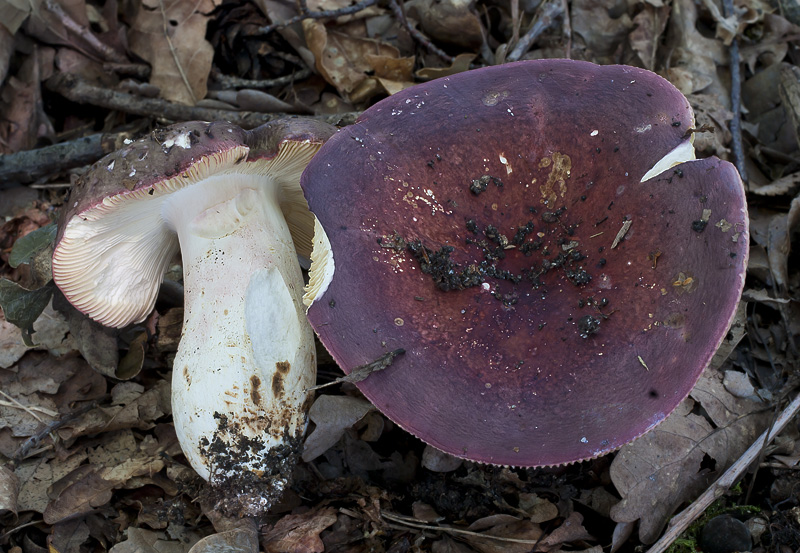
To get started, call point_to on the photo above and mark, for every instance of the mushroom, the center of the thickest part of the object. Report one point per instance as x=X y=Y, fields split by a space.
x=231 y=199
x=540 y=241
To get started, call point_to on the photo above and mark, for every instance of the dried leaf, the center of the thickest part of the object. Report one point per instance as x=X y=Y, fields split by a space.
x=779 y=187
x=622 y=531
x=738 y=384
x=595 y=31
x=28 y=246
x=662 y=469
x=20 y=103
x=571 y=530
x=439 y=461
x=38 y=475
x=13 y=14
x=450 y=21
x=112 y=464
x=22 y=307
x=170 y=35
x=332 y=416
x=97 y=344
x=341 y=58
x=503 y=526
x=460 y=64
x=538 y=508
x=140 y=540
x=646 y=36
x=238 y=540
x=6 y=37
x=9 y=490
x=299 y=533
x=68 y=536
x=11 y=346
x=778 y=248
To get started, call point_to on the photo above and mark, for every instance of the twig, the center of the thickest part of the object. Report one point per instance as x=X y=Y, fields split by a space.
x=547 y=14
x=34 y=440
x=228 y=81
x=140 y=71
x=77 y=90
x=105 y=51
x=323 y=14
x=414 y=523
x=566 y=29
x=684 y=519
x=31 y=165
x=363 y=371
x=30 y=409
x=736 y=98
x=174 y=52
x=416 y=35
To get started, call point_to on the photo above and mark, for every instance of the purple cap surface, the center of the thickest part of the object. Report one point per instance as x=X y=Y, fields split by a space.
x=552 y=305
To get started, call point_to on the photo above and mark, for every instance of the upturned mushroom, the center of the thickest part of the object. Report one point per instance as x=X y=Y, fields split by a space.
x=541 y=242
x=230 y=200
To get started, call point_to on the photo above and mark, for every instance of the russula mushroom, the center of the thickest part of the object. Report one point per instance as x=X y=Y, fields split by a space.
x=540 y=241
x=231 y=199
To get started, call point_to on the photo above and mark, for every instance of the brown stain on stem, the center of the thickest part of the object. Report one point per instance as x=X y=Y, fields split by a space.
x=255 y=394
x=281 y=370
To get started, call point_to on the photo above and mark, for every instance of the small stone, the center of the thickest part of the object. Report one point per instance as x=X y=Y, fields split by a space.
x=725 y=534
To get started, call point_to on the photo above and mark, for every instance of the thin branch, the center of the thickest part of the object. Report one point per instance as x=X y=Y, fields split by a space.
x=105 y=51
x=548 y=12
x=229 y=81
x=31 y=165
x=566 y=29
x=416 y=35
x=34 y=440
x=174 y=53
x=736 y=98
x=685 y=518
x=363 y=371
x=410 y=522
x=77 y=90
x=323 y=14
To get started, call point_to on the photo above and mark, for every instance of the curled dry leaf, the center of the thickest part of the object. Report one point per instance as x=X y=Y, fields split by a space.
x=20 y=109
x=646 y=35
x=299 y=533
x=9 y=489
x=596 y=31
x=341 y=59
x=450 y=21
x=439 y=461
x=332 y=416
x=779 y=187
x=571 y=530
x=170 y=36
x=459 y=65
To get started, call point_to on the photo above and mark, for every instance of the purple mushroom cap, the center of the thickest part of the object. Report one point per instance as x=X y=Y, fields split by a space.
x=539 y=240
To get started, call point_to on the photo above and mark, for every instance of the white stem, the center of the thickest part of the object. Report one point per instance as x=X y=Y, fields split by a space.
x=247 y=352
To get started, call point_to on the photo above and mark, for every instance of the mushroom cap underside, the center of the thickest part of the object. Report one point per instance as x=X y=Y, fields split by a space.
x=113 y=245
x=494 y=224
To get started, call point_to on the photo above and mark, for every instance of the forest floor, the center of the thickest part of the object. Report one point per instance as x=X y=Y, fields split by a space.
x=89 y=459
